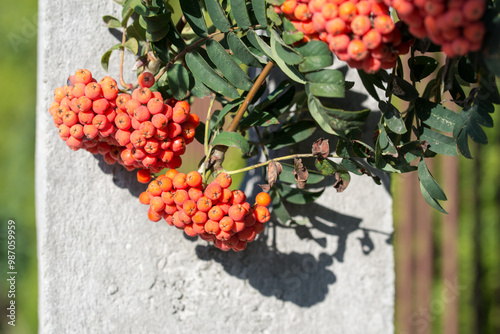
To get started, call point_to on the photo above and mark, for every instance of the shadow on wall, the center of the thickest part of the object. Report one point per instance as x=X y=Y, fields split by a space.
x=122 y=177
x=299 y=278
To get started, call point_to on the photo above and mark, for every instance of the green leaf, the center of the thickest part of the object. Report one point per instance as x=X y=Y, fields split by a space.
x=436 y=115
x=421 y=67
x=227 y=66
x=200 y=133
x=466 y=70
x=156 y=24
x=199 y=89
x=105 y=57
x=259 y=118
x=432 y=201
x=328 y=167
x=289 y=134
x=242 y=52
x=288 y=177
x=491 y=50
x=297 y=196
x=439 y=143
x=273 y=16
x=279 y=209
x=217 y=15
x=233 y=139
x=240 y=13
x=429 y=183
x=392 y=118
x=178 y=79
x=111 y=22
x=385 y=143
x=203 y=72
x=259 y=9
x=132 y=45
x=283 y=51
x=175 y=37
x=326 y=83
x=316 y=55
x=403 y=89
x=194 y=16
x=335 y=121
x=289 y=70
x=258 y=43
x=368 y=81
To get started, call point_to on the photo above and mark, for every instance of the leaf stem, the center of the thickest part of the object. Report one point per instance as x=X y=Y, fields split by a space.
x=207 y=124
x=122 y=56
x=265 y=163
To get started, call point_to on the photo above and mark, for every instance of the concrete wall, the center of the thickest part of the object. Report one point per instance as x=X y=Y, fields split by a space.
x=105 y=268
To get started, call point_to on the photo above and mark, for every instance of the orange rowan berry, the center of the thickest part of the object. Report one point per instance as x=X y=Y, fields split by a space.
x=93 y=91
x=238 y=226
x=384 y=24
x=154 y=216
x=154 y=188
x=215 y=213
x=336 y=26
x=357 y=50
x=213 y=191
x=144 y=198
x=473 y=10
x=121 y=101
x=200 y=217
x=237 y=212
x=199 y=228
x=226 y=223
x=263 y=199
x=248 y=234
x=155 y=105
x=347 y=11
x=76 y=131
x=194 y=120
x=146 y=79
x=360 y=25
x=204 y=204
x=223 y=235
x=212 y=227
x=238 y=197
x=288 y=6
x=180 y=196
x=84 y=76
x=302 y=12
x=189 y=207
x=143 y=175
x=141 y=113
x=193 y=179
x=224 y=180
x=180 y=181
x=122 y=121
x=190 y=231
x=109 y=89
x=157 y=204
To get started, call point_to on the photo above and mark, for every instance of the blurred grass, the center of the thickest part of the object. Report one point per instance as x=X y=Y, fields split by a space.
x=17 y=149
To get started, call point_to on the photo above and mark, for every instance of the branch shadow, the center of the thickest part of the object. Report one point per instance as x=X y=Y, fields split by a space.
x=299 y=278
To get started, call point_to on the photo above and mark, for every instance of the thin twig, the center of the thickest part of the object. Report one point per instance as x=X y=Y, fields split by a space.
x=265 y=163
x=124 y=39
x=217 y=156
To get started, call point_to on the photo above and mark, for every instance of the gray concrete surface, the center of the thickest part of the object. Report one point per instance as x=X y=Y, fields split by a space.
x=104 y=268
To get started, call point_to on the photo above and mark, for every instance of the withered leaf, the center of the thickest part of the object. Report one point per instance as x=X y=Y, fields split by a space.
x=300 y=172
x=274 y=169
x=265 y=187
x=321 y=148
x=340 y=183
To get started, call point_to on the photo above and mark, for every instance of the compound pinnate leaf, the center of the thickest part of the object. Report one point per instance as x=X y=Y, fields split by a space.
x=203 y=72
x=240 y=13
x=179 y=81
x=233 y=139
x=259 y=10
x=242 y=52
x=227 y=66
x=217 y=15
x=194 y=16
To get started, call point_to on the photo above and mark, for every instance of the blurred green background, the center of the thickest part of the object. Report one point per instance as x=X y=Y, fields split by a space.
x=477 y=243
x=18 y=22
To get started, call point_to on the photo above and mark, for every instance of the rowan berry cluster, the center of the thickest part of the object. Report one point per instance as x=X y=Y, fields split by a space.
x=362 y=33
x=212 y=212
x=138 y=130
x=454 y=24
